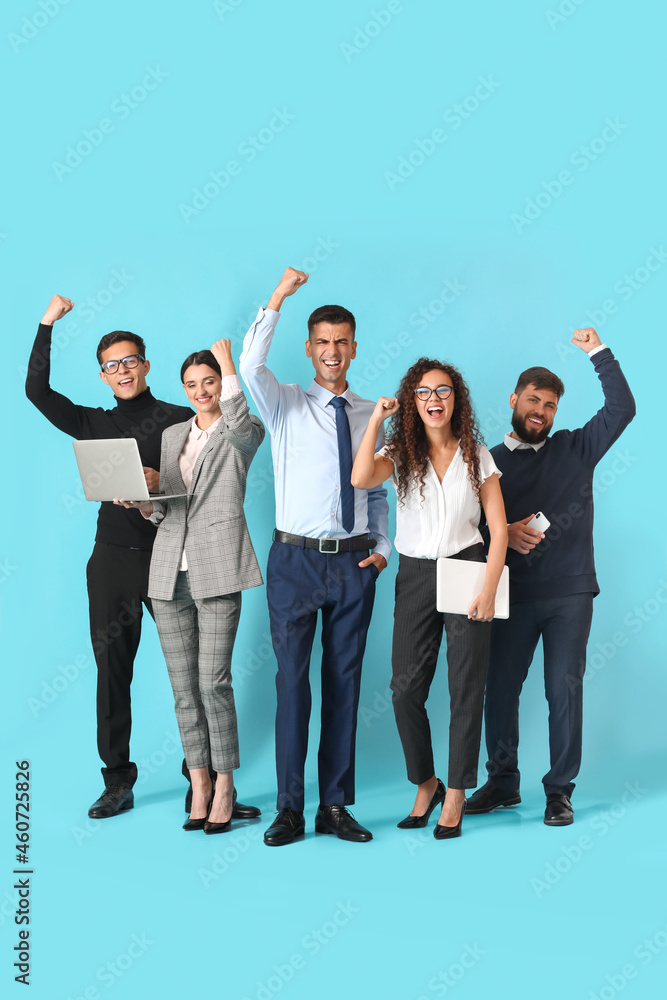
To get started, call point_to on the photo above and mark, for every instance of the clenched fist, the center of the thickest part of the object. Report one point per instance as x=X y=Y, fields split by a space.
x=385 y=407
x=222 y=352
x=587 y=339
x=58 y=307
x=288 y=284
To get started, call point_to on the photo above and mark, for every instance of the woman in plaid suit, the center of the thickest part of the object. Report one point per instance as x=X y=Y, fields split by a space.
x=203 y=558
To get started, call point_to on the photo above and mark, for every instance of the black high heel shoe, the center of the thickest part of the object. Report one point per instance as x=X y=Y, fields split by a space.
x=413 y=822
x=446 y=832
x=199 y=824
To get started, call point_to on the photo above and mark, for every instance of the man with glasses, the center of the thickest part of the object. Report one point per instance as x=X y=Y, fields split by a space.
x=329 y=548
x=117 y=573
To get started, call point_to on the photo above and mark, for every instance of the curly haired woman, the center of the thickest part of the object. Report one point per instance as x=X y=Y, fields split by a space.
x=443 y=477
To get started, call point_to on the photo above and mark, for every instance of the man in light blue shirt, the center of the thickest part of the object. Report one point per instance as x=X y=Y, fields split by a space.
x=329 y=548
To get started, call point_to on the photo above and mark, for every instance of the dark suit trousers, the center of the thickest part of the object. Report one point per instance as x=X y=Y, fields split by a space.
x=564 y=624
x=117 y=580
x=418 y=628
x=299 y=583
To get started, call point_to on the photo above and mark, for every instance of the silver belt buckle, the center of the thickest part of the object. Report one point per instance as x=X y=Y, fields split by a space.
x=328 y=541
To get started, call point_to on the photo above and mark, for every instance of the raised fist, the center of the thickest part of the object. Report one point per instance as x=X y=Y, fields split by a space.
x=291 y=280
x=222 y=352
x=58 y=307
x=587 y=339
x=385 y=407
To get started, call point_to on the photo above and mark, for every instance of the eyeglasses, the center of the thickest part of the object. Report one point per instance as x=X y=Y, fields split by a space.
x=131 y=361
x=442 y=392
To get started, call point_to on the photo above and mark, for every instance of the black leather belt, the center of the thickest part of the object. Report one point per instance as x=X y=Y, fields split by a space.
x=327 y=545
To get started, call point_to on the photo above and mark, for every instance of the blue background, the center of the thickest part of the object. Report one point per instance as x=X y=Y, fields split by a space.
x=540 y=911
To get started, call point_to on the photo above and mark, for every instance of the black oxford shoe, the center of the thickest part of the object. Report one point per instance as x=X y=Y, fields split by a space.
x=340 y=822
x=286 y=827
x=490 y=797
x=113 y=800
x=559 y=811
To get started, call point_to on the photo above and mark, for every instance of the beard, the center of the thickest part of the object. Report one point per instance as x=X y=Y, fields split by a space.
x=526 y=433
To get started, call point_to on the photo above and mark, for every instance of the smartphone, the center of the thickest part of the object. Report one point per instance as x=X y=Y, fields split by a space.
x=539 y=522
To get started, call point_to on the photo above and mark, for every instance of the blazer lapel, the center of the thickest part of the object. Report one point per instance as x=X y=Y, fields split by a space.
x=171 y=474
x=212 y=442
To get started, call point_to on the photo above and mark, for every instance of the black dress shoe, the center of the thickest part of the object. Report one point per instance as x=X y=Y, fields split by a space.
x=337 y=820
x=413 y=822
x=490 y=797
x=239 y=811
x=447 y=832
x=559 y=811
x=286 y=827
x=113 y=800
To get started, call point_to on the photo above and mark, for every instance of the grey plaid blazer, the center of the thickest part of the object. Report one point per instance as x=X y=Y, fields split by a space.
x=209 y=522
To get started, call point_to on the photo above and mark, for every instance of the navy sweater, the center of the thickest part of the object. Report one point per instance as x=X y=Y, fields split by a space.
x=143 y=418
x=558 y=480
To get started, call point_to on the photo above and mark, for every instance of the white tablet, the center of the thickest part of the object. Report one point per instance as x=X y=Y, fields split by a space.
x=459 y=581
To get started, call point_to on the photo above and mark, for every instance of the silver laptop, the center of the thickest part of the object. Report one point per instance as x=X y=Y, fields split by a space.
x=459 y=581
x=111 y=467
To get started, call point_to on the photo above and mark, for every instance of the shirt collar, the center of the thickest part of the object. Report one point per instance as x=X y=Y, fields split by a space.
x=197 y=432
x=515 y=445
x=324 y=396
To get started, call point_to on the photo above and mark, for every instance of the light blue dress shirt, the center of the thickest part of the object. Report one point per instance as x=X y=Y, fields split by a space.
x=304 y=446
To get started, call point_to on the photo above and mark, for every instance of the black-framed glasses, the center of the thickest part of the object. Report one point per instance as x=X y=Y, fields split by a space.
x=131 y=361
x=442 y=392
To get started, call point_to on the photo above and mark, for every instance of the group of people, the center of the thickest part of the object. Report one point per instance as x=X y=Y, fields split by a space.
x=455 y=499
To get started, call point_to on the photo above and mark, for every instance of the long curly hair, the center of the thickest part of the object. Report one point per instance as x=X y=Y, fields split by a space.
x=407 y=443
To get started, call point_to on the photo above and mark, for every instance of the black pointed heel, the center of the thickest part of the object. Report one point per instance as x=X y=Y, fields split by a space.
x=447 y=832
x=414 y=822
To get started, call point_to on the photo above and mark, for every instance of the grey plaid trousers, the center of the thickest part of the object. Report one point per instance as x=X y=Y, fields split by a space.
x=197 y=638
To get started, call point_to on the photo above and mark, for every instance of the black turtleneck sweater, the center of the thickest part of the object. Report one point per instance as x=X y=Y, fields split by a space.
x=143 y=418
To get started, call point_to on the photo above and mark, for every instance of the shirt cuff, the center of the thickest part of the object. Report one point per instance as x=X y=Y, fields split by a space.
x=231 y=386
x=596 y=350
x=158 y=513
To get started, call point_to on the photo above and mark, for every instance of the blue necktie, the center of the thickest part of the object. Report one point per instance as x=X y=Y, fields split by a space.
x=344 y=462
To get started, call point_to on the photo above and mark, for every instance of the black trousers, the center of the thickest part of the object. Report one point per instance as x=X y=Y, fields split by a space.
x=564 y=624
x=117 y=580
x=418 y=628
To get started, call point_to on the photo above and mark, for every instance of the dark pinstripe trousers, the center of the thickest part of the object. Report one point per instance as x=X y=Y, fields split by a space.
x=197 y=638
x=418 y=629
